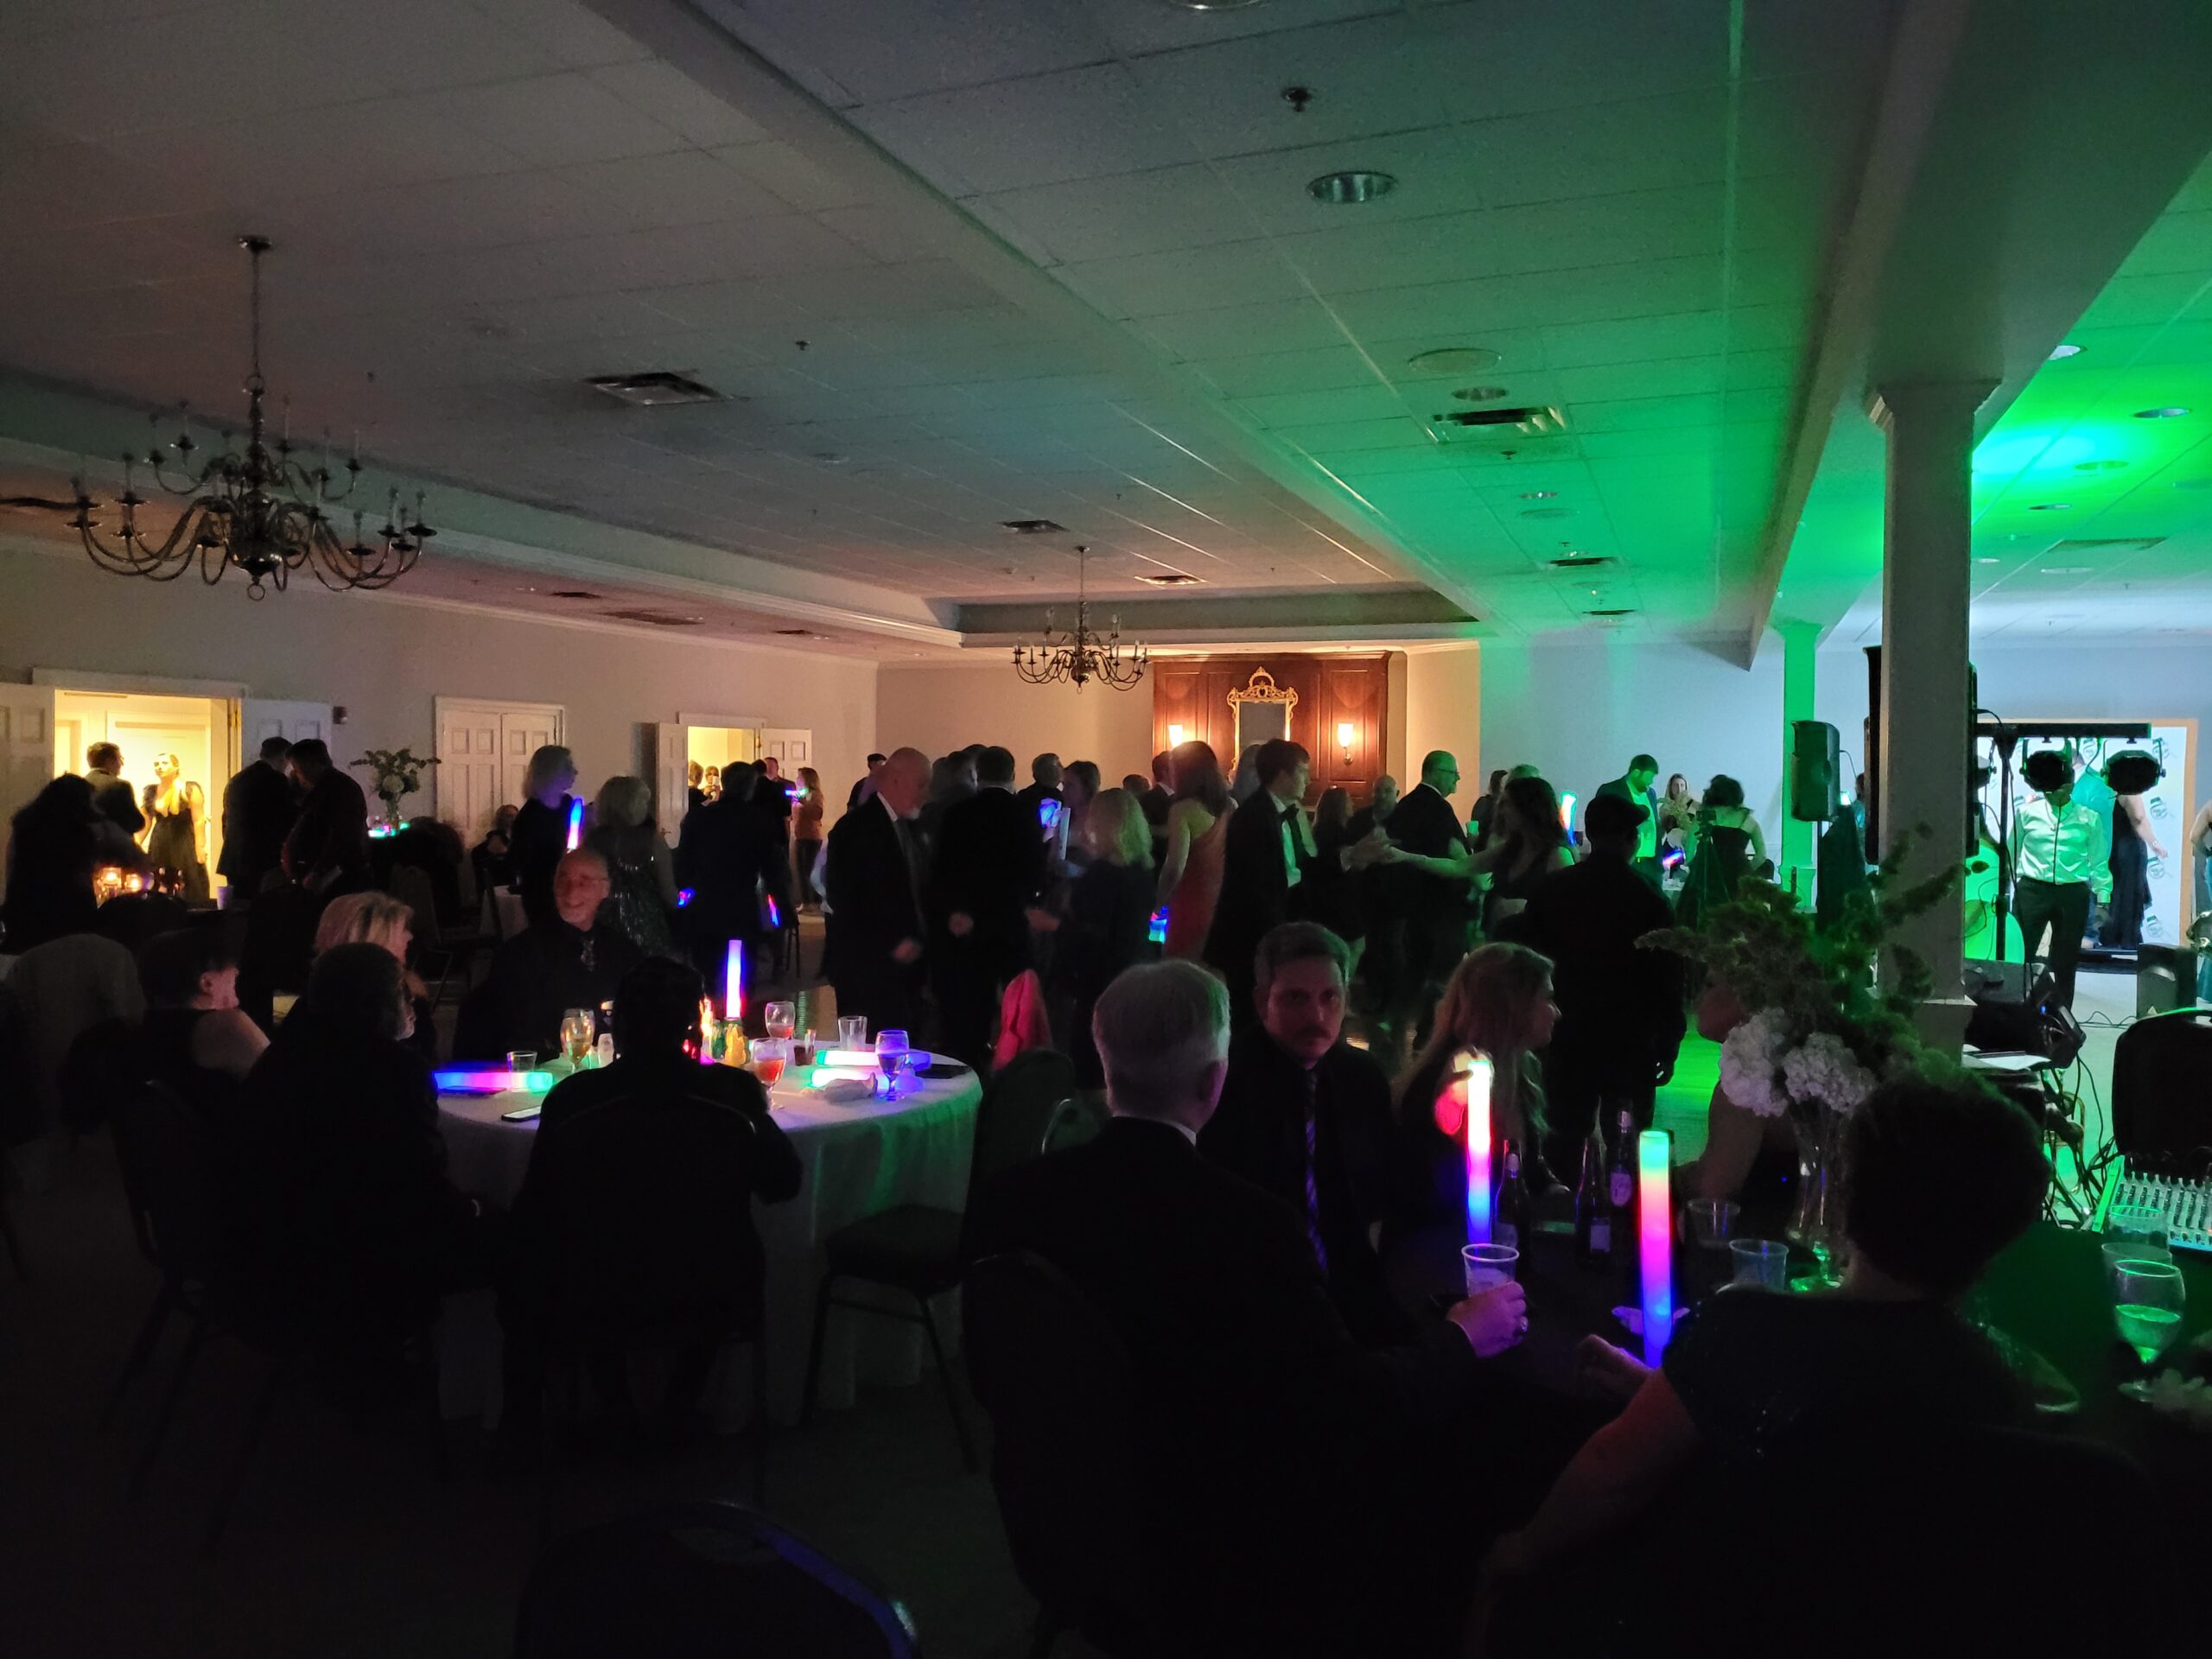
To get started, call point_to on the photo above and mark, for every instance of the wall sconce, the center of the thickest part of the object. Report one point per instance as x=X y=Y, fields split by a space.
x=1345 y=731
x=1174 y=736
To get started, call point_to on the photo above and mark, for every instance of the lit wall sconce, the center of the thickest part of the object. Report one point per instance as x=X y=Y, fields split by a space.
x=1174 y=736
x=1345 y=731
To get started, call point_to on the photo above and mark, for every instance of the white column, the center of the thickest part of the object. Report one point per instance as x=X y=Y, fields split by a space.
x=1927 y=748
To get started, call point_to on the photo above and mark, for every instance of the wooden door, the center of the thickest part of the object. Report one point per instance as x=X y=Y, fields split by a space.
x=672 y=778
x=791 y=747
x=265 y=717
x=484 y=750
x=26 y=746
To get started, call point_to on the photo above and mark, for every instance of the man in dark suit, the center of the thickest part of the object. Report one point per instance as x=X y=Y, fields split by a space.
x=326 y=851
x=990 y=867
x=727 y=853
x=1307 y=1116
x=1634 y=787
x=1426 y=886
x=771 y=795
x=636 y=1211
x=1620 y=1006
x=864 y=786
x=259 y=807
x=1044 y=784
x=572 y=961
x=1267 y=856
x=872 y=883
x=1262 y=1429
x=111 y=797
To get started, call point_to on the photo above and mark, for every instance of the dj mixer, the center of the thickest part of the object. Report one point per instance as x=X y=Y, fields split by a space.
x=2185 y=1205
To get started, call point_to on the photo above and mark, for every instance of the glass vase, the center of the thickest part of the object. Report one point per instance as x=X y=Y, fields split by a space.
x=1816 y=1226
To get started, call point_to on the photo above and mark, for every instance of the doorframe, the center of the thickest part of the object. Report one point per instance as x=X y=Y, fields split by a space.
x=726 y=722
x=145 y=685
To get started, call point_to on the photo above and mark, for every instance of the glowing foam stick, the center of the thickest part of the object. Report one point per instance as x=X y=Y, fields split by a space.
x=1567 y=810
x=1654 y=1241
x=473 y=1082
x=576 y=824
x=1468 y=1091
x=775 y=912
x=864 y=1058
x=684 y=896
x=1156 y=932
x=734 y=981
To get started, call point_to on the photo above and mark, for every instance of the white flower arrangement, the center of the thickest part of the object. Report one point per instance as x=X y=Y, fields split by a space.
x=1752 y=1062
x=1766 y=1072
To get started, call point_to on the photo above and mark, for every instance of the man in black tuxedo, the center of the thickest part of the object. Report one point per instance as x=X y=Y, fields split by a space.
x=1045 y=775
x=326 y=851
x=1425 y=886
x=572 y=960
x=1263 y=1430
x=1307 y=1116
x=864 y=787
x=1267 y=856
x=771 y=794
x=729 y=851
x=873 y=881
x=990 y=867
x=259 y=807
x=112 y=799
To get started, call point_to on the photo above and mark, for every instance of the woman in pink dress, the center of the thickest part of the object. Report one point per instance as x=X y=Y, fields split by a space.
x=1190 y=869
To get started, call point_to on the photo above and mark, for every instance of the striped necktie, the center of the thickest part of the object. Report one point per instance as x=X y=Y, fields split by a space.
x=1312 y=1181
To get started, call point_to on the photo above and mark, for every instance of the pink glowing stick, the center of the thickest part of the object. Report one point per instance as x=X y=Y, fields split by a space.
x=1654 y=1241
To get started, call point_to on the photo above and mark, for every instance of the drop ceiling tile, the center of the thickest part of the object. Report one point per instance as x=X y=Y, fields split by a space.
x=1144 y=26
x=1155 y=284
x=931 y=45
x=804 y=183
x=561 y=120
x=664 y=92
x=1374 y=400
x=1148 y=212
x=1270 y=372
x=1284 y=326
x=681 y=186
x=568 y=29
x=1440 y=170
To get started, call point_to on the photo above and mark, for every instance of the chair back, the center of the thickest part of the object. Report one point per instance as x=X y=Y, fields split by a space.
x=700 y=1578
x=1058 y=1387
x=1019 y=1103
x=167 y=1160
x=410 y=885
x=2161 y=1110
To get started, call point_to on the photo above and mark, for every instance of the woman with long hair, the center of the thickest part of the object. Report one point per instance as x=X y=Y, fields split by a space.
x=379 y=919
x=1725 y=844
x=1677 y=811
x=541 y=832
x=176 y=831
x=52 y=848
x=642 y=906
x=806 y=833
x=1339 y=900
x=1108 y=917
x=1528 y=842
x=1498 y=1001
x=1190 y=869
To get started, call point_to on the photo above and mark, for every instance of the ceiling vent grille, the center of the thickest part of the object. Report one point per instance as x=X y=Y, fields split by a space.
x=571 y=593
x=2106 y=545
x=1171 y=579
x=658 y=618
x=1032 y=527
x=1526 y=422
x=1630 y=611
x=655 y=389
x=1583 y=562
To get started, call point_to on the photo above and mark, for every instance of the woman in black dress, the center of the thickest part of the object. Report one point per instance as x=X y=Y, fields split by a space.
x=541 y=832
x=51 y=846
x=175 y=813
x=1109 y=919
x=1528 y=842
x=2134 y=844
x=1942 y=1177
x=1727 y=845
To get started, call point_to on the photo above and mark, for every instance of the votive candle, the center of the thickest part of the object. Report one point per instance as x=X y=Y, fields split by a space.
x=1654 y=1240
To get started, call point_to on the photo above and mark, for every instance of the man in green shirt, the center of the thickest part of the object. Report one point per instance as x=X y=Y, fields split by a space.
x=2060 y=854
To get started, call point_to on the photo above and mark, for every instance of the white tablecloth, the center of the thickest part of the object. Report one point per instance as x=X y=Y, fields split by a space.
x=856 y=1161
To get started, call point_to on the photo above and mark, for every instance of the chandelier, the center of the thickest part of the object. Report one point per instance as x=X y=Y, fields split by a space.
x=262 y=511
x=1081 y=656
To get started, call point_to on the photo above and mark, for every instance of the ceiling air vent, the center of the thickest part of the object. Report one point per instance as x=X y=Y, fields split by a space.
x=655 y=389
x=1032 y=527
x=2105 y=544
x=1171 y=579
x=1528 y=422
x=798 y=633
x=658 y=618
x=1583 y=562
x=570 y=593
x=1630 y=611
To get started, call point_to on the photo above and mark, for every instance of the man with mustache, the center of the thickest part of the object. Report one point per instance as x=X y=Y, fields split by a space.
x=1307 y=1116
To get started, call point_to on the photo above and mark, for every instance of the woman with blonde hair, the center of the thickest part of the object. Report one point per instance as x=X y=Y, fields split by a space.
x=541 y=832
x=379 y=919
x=176 y=831
x=1109 y=919
x=1499 y=1002
x=642 y=906
x=806 y=834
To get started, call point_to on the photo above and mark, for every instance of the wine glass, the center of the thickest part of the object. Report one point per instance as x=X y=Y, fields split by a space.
x=2147 y=1298
x=769 y=1057
x=576 y=1034
x=890 y=1060
x=780 y=1019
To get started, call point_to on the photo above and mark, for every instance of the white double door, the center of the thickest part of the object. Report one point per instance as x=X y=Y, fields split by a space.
x=484 y=750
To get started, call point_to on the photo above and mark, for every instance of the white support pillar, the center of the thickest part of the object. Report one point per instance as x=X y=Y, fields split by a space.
x=1926 y=748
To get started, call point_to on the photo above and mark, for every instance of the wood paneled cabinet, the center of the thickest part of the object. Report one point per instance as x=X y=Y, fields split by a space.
x=1339 y=697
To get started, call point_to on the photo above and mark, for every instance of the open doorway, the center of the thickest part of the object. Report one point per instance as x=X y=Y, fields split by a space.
x=183 y=808
x=713 y=748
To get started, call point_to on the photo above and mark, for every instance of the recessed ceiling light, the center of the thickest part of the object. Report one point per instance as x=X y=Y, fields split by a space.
x=1480 y=394
x=1988 y=559
x=1627 y=612
x=1453 y=360
x=2171 y=412
x=573 y=593
x=1538 y=495
x=2064 y=349
x=1351 y=187
x=2067 y=569
x=2052 y=507
x=2102 y=466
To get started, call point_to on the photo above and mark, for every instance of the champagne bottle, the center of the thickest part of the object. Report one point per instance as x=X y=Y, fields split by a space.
x=1594 y=1214
x=1515 y=1217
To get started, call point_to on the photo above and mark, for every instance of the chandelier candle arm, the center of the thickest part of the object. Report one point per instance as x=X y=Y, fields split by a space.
x=1081 y=656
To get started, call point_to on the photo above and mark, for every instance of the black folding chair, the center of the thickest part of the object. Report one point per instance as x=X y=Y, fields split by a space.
x=914 y=1248
x=702 y=1579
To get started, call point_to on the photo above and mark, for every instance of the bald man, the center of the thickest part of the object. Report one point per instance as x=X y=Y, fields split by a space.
x=873 y=880
x=570 y=960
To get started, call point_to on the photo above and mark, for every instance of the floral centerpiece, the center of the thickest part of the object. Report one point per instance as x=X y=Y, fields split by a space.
x=398 y=774
x=1821 y=1033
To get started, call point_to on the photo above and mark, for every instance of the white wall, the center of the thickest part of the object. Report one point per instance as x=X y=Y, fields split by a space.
x=1443 y=709
x=385 y=660
x=940 y=707
x=1581 y=708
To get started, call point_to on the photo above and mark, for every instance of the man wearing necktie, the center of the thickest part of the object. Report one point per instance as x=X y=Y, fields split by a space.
x=875 y=929
x=2060 y=853
x=1266 y=859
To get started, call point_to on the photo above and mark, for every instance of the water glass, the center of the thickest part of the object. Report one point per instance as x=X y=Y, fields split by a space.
x=605 y=1050
x=575 y=1034
x=1760 y=1261
x=1488 y=1266
x=890 y=1060
x=779 y=1019
x=1713 y=1222
x=522 y=1060
x=2147 y=1298
x=2141 y=1222
x=852 y=1031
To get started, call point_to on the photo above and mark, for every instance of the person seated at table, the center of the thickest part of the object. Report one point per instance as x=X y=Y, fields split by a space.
x=1498 y=1001
x=194 y=1039
x=635 y=1215
x=1307 y=1116
x=354 y=1207
x=1750 y=1159
x=379 y=919
x=1261 y=1427
x=492 y=859
x=573 y=961
x=1944 y=1175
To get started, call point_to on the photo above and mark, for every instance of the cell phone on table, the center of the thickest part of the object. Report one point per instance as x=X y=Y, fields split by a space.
x=522 y=1114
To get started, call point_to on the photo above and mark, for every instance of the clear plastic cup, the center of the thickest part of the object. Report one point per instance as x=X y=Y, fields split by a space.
x=1760 y=1261
x=1488 y=1266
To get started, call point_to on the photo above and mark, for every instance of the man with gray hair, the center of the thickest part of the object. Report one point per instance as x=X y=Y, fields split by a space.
x=1262 y=1429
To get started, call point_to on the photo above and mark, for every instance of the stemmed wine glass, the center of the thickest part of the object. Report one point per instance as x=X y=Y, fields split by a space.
x=779 y=1019
x=890 y=1060
x=2147 y=1298
x=576 y=1034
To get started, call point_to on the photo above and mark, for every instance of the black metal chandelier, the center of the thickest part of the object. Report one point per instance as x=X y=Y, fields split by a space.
x=261 y=512
x=1082 y=655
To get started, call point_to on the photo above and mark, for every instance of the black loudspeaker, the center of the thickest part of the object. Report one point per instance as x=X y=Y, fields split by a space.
x=2014 y=1011
x=1814 y=796
x=2130 y=771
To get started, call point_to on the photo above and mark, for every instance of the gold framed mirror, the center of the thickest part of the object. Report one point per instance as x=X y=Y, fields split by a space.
x=1260 y=709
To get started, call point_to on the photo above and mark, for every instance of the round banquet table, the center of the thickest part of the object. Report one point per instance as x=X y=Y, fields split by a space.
x=857 y=1159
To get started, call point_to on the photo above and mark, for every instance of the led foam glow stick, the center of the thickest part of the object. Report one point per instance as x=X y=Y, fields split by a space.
x=499 y=1082
x=1654 y=1241
x=1567 y=810
x=1470 y=1087
x=576 y=824
x=733 y=981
